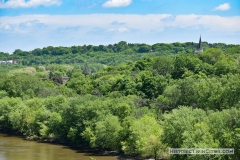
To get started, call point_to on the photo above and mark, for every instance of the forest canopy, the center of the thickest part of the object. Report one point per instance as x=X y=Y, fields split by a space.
x=137 y=99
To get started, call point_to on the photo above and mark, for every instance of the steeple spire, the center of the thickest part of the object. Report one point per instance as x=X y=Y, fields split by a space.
x=200 y=44
x=199 y=47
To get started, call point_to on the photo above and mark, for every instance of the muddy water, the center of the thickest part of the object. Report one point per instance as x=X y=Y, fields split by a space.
x=16 y=148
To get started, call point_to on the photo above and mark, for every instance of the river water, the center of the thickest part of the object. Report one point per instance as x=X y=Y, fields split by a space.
x=16 y=148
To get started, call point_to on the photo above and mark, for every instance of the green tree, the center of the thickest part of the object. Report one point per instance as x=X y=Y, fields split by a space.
x=22 y=85
x=122 y=110
x=225 y=128
x=184 y=62
x=178 y=122
x=80 y=83
x=86 y=69
x=163 y=65
x=200 y=137
x=150 y=85
x=107 y=133
x=144 y=138
x=225 y=65
x=7 y=106
x=211 y=55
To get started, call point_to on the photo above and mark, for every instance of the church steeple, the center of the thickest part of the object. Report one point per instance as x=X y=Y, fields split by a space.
x=200 y=44
x=199 y=47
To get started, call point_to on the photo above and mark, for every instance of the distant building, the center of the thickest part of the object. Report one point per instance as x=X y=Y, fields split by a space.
x=9 y=62
x=199 y=47
x=65 y=79
x=3 y=62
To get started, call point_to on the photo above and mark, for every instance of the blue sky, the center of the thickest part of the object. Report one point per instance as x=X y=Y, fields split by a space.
x=30 y=24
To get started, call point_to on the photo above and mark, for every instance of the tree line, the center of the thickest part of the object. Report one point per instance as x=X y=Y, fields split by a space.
x=110 y=55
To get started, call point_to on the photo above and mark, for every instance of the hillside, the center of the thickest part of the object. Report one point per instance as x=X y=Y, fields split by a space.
x=167 y=99
x=109 y=55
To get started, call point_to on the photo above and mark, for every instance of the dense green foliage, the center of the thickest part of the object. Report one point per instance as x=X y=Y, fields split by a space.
x=140 y=107
x=99 y=56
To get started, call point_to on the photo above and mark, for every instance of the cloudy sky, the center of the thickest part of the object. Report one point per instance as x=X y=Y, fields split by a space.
x=30 y=24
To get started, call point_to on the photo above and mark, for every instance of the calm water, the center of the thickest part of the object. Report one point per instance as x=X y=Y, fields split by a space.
x=16 y=148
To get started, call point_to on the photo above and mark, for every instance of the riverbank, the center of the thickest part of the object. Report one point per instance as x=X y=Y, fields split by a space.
x=91 y=152
x=16 y=148
x=9 y=131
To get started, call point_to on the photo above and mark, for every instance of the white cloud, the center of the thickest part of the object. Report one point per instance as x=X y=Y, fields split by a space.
x=66 y=30
x=28 y=3
x=120 y=29
x=117 y=3
x=27 y=27
x=222 y=7
x=212 y=22
x=7 y=27
x=143 y=23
